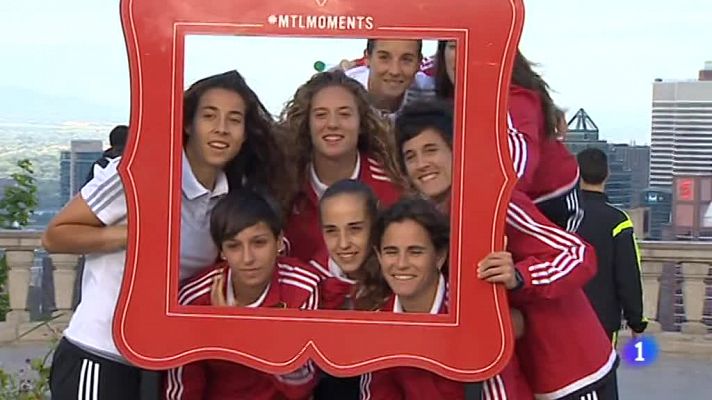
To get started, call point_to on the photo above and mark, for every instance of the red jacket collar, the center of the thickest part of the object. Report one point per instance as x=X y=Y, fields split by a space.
x=370 y=172
x=441 y=299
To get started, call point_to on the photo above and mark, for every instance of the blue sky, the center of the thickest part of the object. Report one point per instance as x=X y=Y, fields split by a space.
x=601 y=55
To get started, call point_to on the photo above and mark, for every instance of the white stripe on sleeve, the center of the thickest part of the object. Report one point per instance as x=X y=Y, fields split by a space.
x=571 y=248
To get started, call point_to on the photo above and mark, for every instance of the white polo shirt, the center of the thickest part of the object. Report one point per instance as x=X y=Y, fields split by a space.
x=197 y=249
x=90 y=327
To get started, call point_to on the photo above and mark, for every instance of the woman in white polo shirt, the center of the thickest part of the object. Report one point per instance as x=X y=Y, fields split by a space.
x=228 y=144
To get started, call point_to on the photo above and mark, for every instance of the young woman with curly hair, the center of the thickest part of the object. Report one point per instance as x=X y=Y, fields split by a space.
x=331 y=132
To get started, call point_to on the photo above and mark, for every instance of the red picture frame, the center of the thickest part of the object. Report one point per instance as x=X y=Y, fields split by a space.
x=471 y=343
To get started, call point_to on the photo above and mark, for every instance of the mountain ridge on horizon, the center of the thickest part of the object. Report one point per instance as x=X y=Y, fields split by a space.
x=26 y=105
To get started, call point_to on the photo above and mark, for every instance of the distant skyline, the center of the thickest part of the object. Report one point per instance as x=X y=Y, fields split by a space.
x=602 y=56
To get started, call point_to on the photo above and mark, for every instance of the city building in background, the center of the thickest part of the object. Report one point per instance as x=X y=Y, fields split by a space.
x=583 y=133
x=681 y=136
x=75 y=164
x=636 y=159
x=627 y=164
x=692 y=207
x=658 y=201
x=619 y=183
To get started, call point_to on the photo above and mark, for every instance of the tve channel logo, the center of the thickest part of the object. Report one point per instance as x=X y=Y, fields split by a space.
x=641 y=352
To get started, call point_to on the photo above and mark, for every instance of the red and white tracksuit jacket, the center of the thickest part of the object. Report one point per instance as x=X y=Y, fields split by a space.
x=336 y=291
x=548 y=173
x=510 y=384
x=292 y=286
x=303 y=235
x=564 y=348
x=408 y=383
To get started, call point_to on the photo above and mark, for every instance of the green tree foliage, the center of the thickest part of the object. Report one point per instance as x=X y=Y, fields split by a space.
x=16 y=207
x=20 y=199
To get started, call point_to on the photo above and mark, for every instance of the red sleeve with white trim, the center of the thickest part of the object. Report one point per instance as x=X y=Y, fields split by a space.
x=493 y=388
x=552 y=262
x=509 y=384
x=299 y=284
x=525 y=123
x=319 y=264
x=374 y=175
x=380 y=385
x=333 y=292
x=196 y=292
x=186 y=382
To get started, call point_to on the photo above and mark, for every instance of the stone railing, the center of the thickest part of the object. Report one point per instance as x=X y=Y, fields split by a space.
x=19 y=248
x=691 y=260
x=677 y=295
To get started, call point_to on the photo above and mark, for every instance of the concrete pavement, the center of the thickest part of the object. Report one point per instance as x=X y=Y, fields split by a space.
x=672 y=377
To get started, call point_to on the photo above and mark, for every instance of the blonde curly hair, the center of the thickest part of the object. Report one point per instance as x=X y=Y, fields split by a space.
x=375 y=134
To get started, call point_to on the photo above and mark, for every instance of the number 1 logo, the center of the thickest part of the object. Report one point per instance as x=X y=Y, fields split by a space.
x=639 y=357
x=641 y=352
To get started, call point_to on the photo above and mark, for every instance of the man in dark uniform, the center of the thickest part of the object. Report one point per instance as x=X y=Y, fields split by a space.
x=617 y=288
x=117 y=142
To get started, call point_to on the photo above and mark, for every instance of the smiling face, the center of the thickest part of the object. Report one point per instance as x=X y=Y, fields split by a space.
x=428 y=162
x=334 y=123
x=217 y=131
x=409 y=261
x=251 y=254
x=393 y=65
x=346 y=227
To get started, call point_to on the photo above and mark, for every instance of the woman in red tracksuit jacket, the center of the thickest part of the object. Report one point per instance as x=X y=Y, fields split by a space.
x=347 y=211
x=564 y=351
x=548 y=173
x=411 y=240
x=246 y=229
x=331 y=132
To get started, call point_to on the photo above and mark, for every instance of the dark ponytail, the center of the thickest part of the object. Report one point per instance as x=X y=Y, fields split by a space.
x=524 y=76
